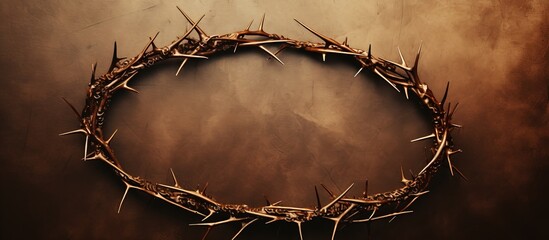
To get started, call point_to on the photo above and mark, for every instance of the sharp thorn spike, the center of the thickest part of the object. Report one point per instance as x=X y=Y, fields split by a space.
x=387 y=80
x=187 y=32
x=200 y=32
x=359 y=70
x=112 y=136
x=334 y=201
x=205 y=188
x=73 y=109
x=270 y=53
x=249 y=25
x=124 y=196
x=450 y=164
x=414 y=69
x=345 y=42
x=152 y=44
x=74 y=132
x=235 y=47
x=328 y=190
x=244 y=226
x=86 y=147
x=432 y=135
x=206 y=234
x=175 y=182
x=324 y=57
x=460 y=173
x=94 y=67
x=181 y=66
x=260 y=29
x=318 y=204
x=406 y=92
x=300 y=230
x=267 y=200
x=369 y=51
x=372 y=215
x=327 y=40
x=114 y=58
x=403 y=62
x=445 y=94
x=453 y=110
x=403 y=178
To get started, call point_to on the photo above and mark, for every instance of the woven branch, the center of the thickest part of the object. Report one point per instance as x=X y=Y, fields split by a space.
x=340 y=209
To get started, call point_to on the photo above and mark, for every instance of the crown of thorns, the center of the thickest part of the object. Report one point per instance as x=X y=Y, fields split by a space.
x=341 y=209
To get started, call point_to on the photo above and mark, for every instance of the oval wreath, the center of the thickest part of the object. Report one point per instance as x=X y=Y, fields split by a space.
x=340 y=209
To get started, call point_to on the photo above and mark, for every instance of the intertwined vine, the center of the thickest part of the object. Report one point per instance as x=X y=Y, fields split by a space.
x=341 y=209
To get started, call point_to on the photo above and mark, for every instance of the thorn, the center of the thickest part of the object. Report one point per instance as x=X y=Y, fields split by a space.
x=381 y=217
x=409 y=204
x=74 y=132
x=453 y=111
x=205 y=188
x=300 y=230
x=175 y=182
x=267 y=200
x=460 y=173
x=445 y=94
x=324 y=57
x=128 y=186
x=73 y=109
x=345 y=42
x=124 y=84
x=402 y=58
x=115 y=58
x=94 y=67
x=414 y=68
x=327 y=40
x=432 y=135
x=406 y=92
x=412 y=173
x=243 y=227
x=359 y=70
x=387 y=80
x=235 y=47
x=372 y=215
x=260 y=29
x=338 y=219
x=369 y=51
x=209 y=215
x=280 y=49
x=212 y=224
x=152 y=44
x=86 y=147
x=200 y=32
x=327 y=190
x=403 y=179
x=450 y=164
x=181 y=66
x=325 y=208
x=249 y=25
x=112 y=136
x=206 y=234
x=187 y=32
x=319 y=206
x=272 y=55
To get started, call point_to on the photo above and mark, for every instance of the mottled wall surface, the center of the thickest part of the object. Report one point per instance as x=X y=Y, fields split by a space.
x=251 y=127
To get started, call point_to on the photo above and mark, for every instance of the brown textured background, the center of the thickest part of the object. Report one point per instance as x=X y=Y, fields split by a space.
x=251 y=127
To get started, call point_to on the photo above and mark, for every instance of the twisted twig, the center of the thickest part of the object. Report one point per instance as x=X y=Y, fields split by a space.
x=340 y=209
